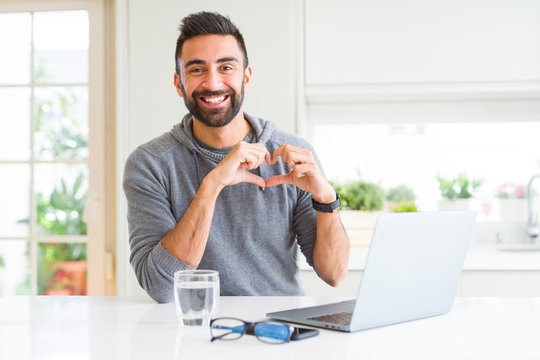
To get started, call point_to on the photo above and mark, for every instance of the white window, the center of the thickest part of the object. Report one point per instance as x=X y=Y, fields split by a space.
x=52 y=143
x=498 y=154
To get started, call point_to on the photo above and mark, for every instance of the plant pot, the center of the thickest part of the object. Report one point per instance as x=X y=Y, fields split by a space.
x=455 y=205
x=513 y=209
x=359 y=226
x=76 y=272
x=58 y=292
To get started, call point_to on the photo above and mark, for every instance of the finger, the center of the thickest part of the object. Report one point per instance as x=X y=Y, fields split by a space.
x=260 y=152
x=294 y=158
x=260 y=160
x=277 y=153
x=301 y=170
x=250 y=161
x=291 y=164
x=292 y=155
x=268 y=158
x=278 y=180
x=286 y=154
x=300 y=156
x=254 y=179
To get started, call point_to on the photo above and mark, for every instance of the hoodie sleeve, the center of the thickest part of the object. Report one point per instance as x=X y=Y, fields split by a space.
x=305 y=225
x=149 y=220
x=305 y=217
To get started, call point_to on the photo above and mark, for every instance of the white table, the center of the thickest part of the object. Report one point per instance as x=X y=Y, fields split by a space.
x=115 y=328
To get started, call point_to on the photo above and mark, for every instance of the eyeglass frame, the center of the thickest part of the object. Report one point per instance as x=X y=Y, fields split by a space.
x=249 y=328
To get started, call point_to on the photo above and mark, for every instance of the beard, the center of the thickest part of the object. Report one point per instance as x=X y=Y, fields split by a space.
x=214 y=117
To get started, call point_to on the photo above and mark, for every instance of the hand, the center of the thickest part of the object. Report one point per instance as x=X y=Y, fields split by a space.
x=232 y=169
x=305 y=173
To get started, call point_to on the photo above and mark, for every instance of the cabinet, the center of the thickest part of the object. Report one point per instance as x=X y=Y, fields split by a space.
x=499 y=283
x=350 y=42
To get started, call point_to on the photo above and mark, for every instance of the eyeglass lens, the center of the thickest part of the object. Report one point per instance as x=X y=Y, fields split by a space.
x=232 y=329
x=227 y=329
x=272 y=332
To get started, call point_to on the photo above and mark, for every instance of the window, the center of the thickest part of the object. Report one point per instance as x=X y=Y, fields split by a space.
x=414 y=154
x=51 y=149
x=412 y=143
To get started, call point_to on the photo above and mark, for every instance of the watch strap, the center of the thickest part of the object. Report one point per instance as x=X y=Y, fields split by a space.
x=327 y=208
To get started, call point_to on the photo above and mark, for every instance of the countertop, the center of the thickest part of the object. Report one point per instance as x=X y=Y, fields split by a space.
x=62 y=327
x=479 y=257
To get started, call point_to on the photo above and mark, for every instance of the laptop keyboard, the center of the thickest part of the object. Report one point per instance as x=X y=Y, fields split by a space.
x=341 y=318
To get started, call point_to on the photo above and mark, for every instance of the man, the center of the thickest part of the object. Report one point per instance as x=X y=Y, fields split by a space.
x=213 y=193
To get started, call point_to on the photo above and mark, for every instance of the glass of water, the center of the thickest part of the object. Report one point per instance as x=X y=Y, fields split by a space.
x=196 y=294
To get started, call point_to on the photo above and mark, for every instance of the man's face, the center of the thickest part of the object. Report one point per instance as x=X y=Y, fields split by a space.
x=212 y=78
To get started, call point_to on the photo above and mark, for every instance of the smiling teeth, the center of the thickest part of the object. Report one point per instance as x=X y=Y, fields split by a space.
x=214 y=100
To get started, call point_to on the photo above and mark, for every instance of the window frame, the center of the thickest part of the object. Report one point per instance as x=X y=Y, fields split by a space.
x=100 y=207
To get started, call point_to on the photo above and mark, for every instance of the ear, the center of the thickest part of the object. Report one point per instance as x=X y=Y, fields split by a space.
x=247 y=78
x=177 y=84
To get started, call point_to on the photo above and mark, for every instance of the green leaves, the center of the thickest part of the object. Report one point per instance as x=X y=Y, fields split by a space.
x=61 y=213
x=359 y=195
x=458 y=188
x=62 y=252
x=402 y=206
x=401 y=193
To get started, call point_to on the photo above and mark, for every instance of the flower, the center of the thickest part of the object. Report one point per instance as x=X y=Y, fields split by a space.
x=510 y=190
x=60 y=280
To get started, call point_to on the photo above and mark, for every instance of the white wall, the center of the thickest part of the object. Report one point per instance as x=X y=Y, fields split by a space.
x=420 y=41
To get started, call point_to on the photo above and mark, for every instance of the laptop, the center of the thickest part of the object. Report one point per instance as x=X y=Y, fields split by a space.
x=412 y=272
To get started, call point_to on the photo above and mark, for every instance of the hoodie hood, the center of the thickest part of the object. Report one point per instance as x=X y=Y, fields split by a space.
x=183 y=132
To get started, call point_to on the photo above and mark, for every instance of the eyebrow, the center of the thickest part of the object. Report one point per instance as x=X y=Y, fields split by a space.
x=218 y=61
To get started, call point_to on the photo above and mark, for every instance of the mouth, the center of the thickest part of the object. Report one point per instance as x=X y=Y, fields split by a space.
x=214 y=100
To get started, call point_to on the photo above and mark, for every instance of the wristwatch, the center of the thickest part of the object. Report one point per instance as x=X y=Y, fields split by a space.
x=327 y=208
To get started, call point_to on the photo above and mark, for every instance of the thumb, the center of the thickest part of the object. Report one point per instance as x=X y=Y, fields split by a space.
x=254 y=179
x=278 y=180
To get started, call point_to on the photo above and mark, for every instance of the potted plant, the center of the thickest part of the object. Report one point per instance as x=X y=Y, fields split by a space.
x=512 y=201
x=62 y=266
x=362 y=203
x=457 y=192
x=64 y=269
x=61 y=212
x=401 y=199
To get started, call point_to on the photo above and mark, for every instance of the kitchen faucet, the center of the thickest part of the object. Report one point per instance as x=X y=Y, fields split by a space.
x=532 y=218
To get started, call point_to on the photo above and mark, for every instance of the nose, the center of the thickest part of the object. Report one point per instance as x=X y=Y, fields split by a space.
x=213 y=80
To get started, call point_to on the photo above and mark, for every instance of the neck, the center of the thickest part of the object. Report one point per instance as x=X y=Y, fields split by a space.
x=224 y=136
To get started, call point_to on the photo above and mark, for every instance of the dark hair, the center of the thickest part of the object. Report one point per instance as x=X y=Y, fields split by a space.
x=206 y=23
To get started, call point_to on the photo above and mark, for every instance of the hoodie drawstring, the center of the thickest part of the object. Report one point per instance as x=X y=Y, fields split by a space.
x=194 y=153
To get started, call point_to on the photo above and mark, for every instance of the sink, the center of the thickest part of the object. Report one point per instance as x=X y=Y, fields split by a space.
x=519 y=247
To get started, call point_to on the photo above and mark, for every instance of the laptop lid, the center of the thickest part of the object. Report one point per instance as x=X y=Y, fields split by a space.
x=412 y=271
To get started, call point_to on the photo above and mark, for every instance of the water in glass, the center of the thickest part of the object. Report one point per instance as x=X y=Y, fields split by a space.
x=197 y=296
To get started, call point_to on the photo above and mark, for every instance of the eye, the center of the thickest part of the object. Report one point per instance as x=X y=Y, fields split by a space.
x=227 y=68
x=195 y=70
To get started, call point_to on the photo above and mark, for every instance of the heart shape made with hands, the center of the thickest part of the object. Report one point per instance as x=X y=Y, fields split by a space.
x=305 y=173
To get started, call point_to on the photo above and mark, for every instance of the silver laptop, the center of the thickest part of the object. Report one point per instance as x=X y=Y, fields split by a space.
x=412 y=272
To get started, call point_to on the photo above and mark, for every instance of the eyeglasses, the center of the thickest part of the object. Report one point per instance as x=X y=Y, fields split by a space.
x=266 y=331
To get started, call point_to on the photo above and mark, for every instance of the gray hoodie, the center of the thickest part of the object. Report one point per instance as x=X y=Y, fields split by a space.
x=254 y=233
